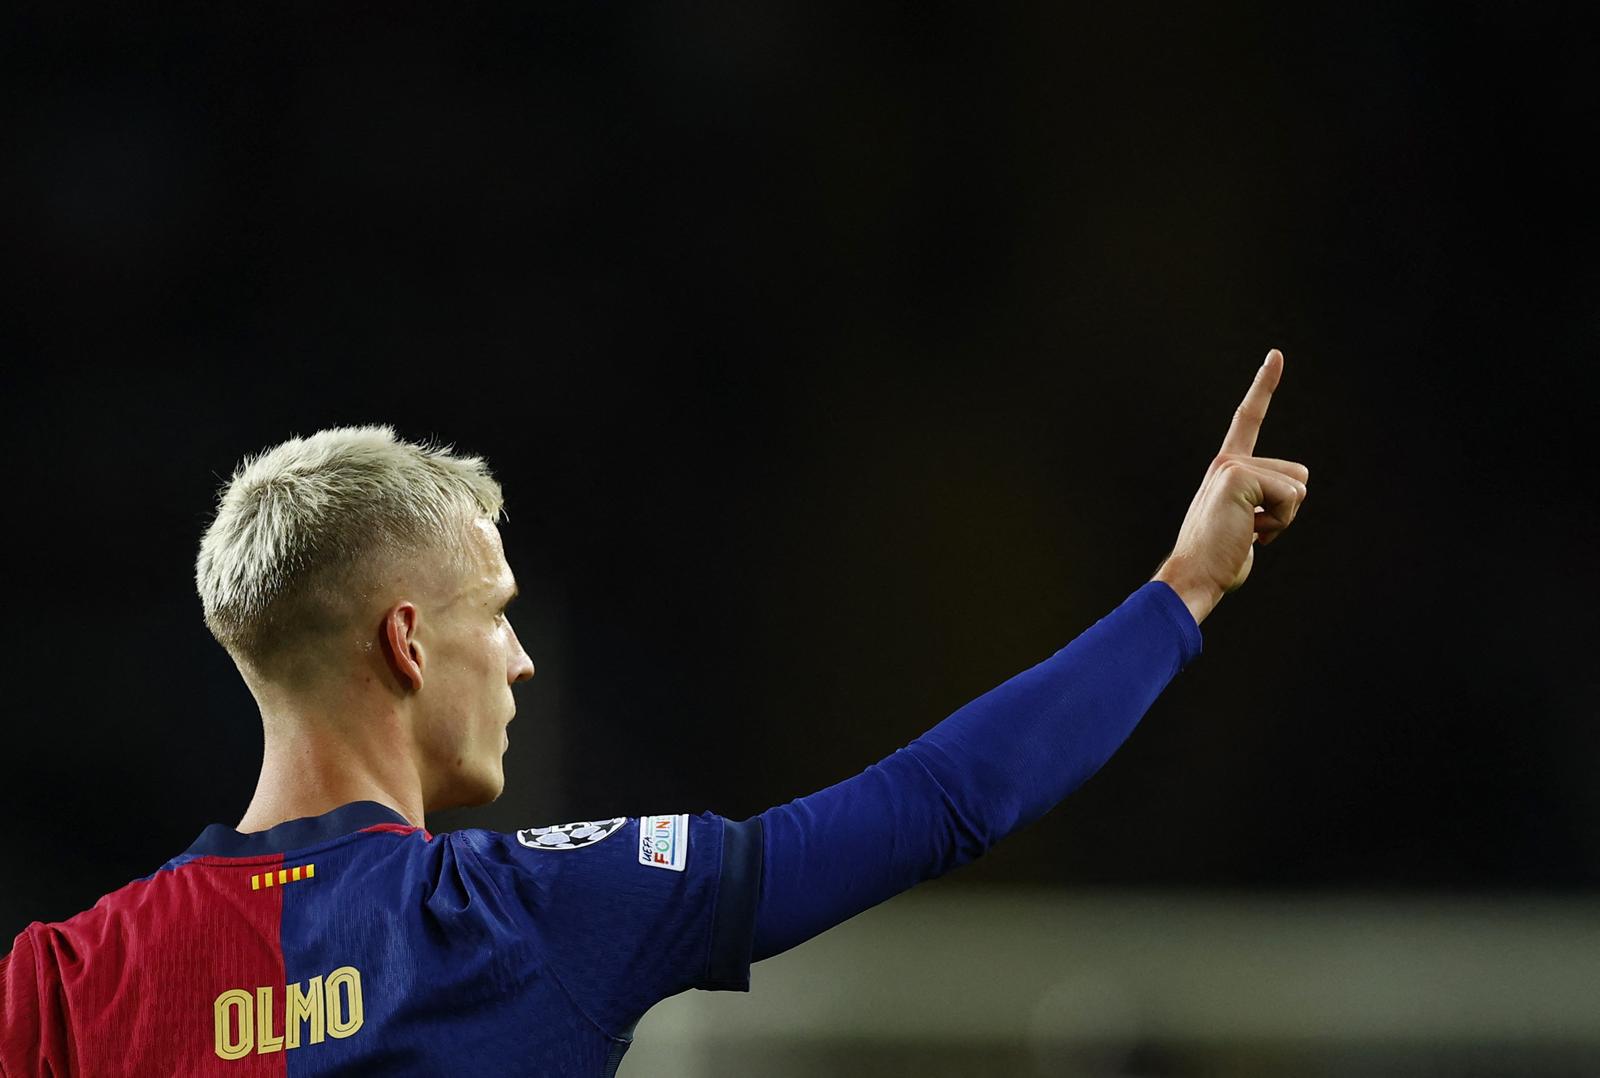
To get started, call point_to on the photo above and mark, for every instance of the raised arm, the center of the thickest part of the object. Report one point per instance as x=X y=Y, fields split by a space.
x=1007 y=757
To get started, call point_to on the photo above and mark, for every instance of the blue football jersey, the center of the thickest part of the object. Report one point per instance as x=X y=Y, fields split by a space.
x=354 y=943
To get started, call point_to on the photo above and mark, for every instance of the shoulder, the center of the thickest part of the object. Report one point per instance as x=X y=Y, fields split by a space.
x=144 y=896
x=658 y=845
x=48 y=959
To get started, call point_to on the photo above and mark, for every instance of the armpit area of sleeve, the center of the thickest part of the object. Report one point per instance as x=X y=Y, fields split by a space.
x=733 y=924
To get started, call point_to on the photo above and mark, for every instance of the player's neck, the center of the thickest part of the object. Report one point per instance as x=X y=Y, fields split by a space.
x=309 y=768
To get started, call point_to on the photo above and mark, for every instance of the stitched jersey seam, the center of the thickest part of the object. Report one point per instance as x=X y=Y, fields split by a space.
x=716 y=893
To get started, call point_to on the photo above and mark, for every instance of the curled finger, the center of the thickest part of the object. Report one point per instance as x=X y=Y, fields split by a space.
x=1280 y=495
x=1291 y=468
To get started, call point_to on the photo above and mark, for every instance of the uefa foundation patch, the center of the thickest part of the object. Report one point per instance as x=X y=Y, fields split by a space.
x=664 y=841
x=569 y=836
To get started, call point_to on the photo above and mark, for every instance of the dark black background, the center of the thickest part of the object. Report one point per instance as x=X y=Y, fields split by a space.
x=838 y=363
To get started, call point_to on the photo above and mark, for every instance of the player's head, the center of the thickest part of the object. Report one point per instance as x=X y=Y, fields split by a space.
x=351 y=565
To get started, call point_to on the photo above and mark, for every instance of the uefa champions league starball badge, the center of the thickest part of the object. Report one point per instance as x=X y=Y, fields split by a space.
x=569 y=836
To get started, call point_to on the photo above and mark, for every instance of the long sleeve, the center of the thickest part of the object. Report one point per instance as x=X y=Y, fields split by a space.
x=997 y=764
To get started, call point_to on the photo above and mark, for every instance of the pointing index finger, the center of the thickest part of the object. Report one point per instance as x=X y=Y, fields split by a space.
x=1241 y=439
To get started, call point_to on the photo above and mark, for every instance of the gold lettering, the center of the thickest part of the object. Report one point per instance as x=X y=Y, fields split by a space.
x=346 y=1020
x=238 y=1001
x=243 y=1023
x=265 y=1041
x=303 y=1006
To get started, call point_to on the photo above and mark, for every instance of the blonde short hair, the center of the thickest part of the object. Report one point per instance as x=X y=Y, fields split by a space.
x=296 y=525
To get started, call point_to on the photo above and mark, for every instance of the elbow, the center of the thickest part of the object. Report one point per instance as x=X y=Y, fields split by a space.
x=971 y=823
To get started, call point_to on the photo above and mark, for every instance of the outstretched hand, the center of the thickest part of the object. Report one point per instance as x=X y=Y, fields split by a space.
x=1243 y=500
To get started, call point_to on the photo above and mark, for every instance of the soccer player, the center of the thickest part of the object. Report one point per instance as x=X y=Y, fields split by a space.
x=359 y=583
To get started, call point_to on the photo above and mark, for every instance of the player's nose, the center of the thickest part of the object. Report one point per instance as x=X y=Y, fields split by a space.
x=520 y=667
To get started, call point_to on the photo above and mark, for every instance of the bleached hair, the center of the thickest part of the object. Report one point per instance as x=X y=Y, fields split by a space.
x=298 y=523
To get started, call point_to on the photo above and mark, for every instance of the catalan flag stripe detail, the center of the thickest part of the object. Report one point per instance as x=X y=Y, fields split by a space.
x=282 y=876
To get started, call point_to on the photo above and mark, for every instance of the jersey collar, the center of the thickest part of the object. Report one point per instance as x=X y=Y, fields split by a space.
x=219 y=840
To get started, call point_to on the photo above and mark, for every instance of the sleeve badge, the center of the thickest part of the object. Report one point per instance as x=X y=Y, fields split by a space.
x=569 y=836
x=664 y=841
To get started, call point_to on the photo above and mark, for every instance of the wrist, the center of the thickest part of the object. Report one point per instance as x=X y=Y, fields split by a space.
x=1198 y=594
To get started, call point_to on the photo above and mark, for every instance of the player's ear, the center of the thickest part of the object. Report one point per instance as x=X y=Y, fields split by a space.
x=401 y=647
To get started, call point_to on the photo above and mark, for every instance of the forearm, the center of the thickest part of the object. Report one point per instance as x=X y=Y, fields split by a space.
x=998 y=763
x=1009 y=756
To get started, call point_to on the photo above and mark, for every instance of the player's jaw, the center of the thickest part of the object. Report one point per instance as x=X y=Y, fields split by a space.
x=485 y=778
x=460 y=758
